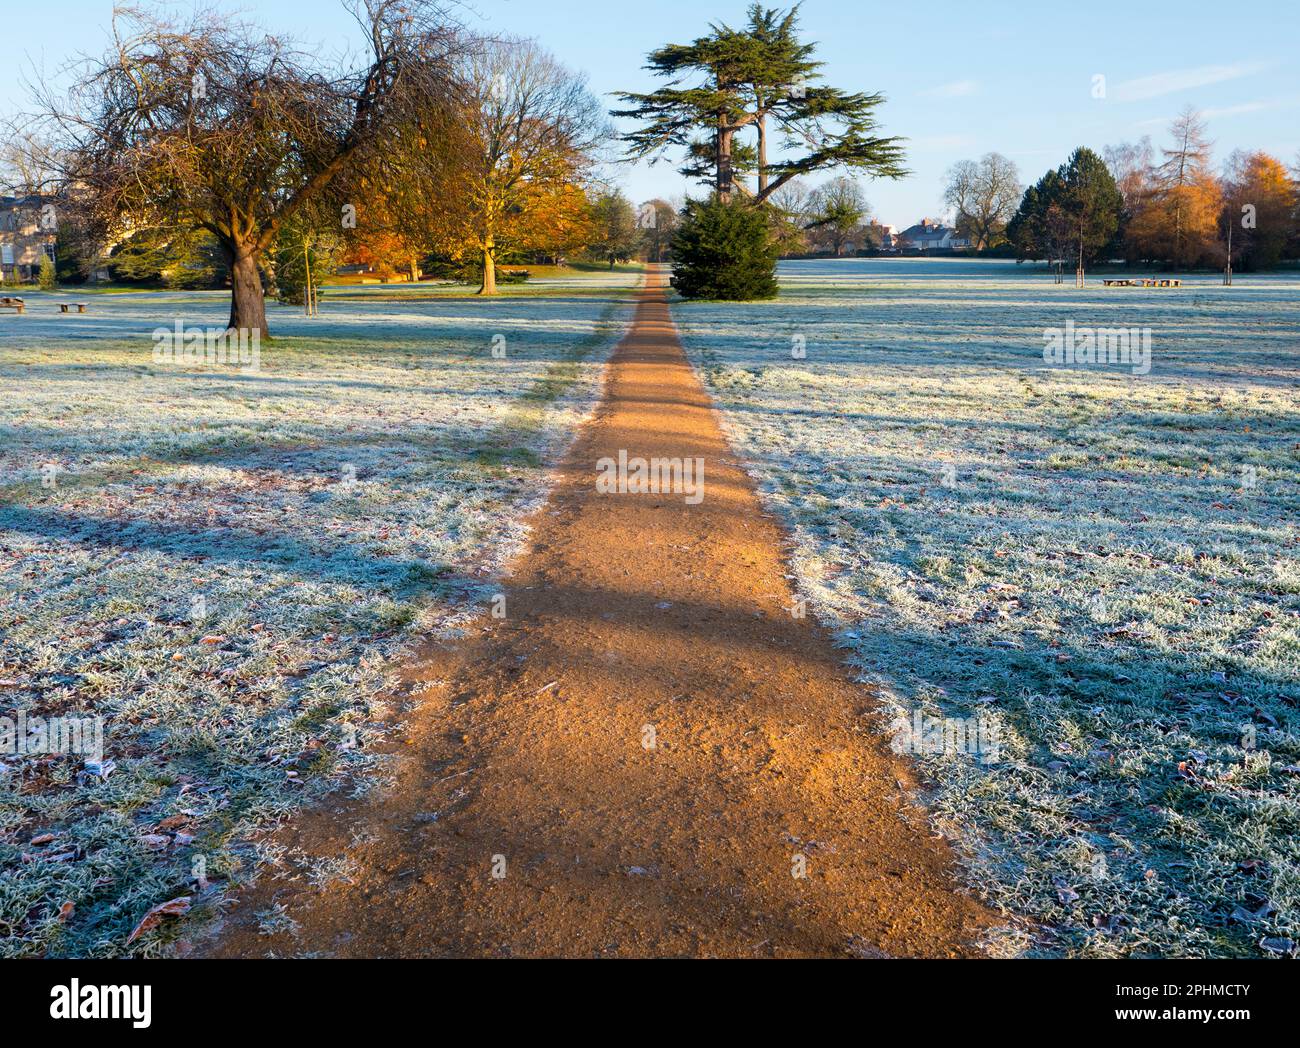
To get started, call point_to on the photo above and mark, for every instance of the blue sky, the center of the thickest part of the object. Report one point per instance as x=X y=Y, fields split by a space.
x=961 y=78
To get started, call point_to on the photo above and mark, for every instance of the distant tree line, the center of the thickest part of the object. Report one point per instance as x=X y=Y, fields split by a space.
x=1173 y=209
x=1130 y=203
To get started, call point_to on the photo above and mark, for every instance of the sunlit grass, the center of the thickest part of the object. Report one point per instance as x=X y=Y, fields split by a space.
x=228 y=562
x=1104 y=564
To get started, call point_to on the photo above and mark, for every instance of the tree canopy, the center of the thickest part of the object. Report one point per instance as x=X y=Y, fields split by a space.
x=764 y=77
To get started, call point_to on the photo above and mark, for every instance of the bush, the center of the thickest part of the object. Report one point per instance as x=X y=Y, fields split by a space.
x=724 y=251
x=48 y=277
x=163 y=258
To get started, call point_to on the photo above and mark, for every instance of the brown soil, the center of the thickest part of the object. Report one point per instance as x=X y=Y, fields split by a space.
x=629 y=611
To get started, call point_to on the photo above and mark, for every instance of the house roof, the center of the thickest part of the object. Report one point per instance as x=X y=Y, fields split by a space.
x=931 y=230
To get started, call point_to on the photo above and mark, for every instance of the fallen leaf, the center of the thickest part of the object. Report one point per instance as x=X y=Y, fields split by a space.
x=171 y=908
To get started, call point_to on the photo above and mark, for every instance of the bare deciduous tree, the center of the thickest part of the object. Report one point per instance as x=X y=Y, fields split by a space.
x=984 y=194
x=28 y=166
x=1132 y=164
x=836 y=211
x=209 y=123
x=658 y=220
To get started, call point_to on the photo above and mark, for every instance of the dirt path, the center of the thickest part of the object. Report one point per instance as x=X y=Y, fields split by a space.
x=634 y=619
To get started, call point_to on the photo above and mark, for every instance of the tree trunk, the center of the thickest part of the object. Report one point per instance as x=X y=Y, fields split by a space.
x=489 y=271
x=247 y=301
x=762 y=154
x=306 y=291
x=725 y=135
x=1178 y=228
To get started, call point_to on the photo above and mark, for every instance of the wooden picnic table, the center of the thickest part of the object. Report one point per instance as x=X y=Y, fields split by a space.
x=13 y=303
x=65 y=306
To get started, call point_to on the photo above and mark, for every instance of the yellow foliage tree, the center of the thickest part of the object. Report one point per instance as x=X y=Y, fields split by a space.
x=1189 y=197
x=529 y=129
x=1260 y=203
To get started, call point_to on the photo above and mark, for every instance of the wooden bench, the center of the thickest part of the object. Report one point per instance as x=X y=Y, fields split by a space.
x=65 y=306
x=1143 y=282
x=13 y=303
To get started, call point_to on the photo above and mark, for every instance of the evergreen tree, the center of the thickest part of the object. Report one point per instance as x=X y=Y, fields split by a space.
x=177 y=259
x=1092 y=203
x=723 y=250
x=48 y=279
x=747 y=78
x=1072 y=213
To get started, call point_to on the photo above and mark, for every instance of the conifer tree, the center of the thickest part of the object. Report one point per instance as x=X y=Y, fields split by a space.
x=761 y=77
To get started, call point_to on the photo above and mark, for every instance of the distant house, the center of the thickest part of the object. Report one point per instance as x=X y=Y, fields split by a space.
x=930 y=236
x=882 y=237
x=26 y=236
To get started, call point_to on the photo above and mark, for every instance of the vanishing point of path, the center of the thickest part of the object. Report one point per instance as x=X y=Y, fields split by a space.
x=633 y=619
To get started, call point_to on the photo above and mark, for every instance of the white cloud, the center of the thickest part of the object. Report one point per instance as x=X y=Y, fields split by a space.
x=1251 y=107
x=957 y=89
x=1160 y=84
x=1224 y=112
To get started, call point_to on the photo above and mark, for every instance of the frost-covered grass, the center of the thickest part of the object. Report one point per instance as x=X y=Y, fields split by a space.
x=1104 y=565
x=225 y=563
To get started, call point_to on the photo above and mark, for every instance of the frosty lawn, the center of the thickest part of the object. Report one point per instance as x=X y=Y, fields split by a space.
x=219 y=564
x=1104 y=565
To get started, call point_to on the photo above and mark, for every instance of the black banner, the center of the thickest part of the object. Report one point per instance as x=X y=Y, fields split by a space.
x=142 y=998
